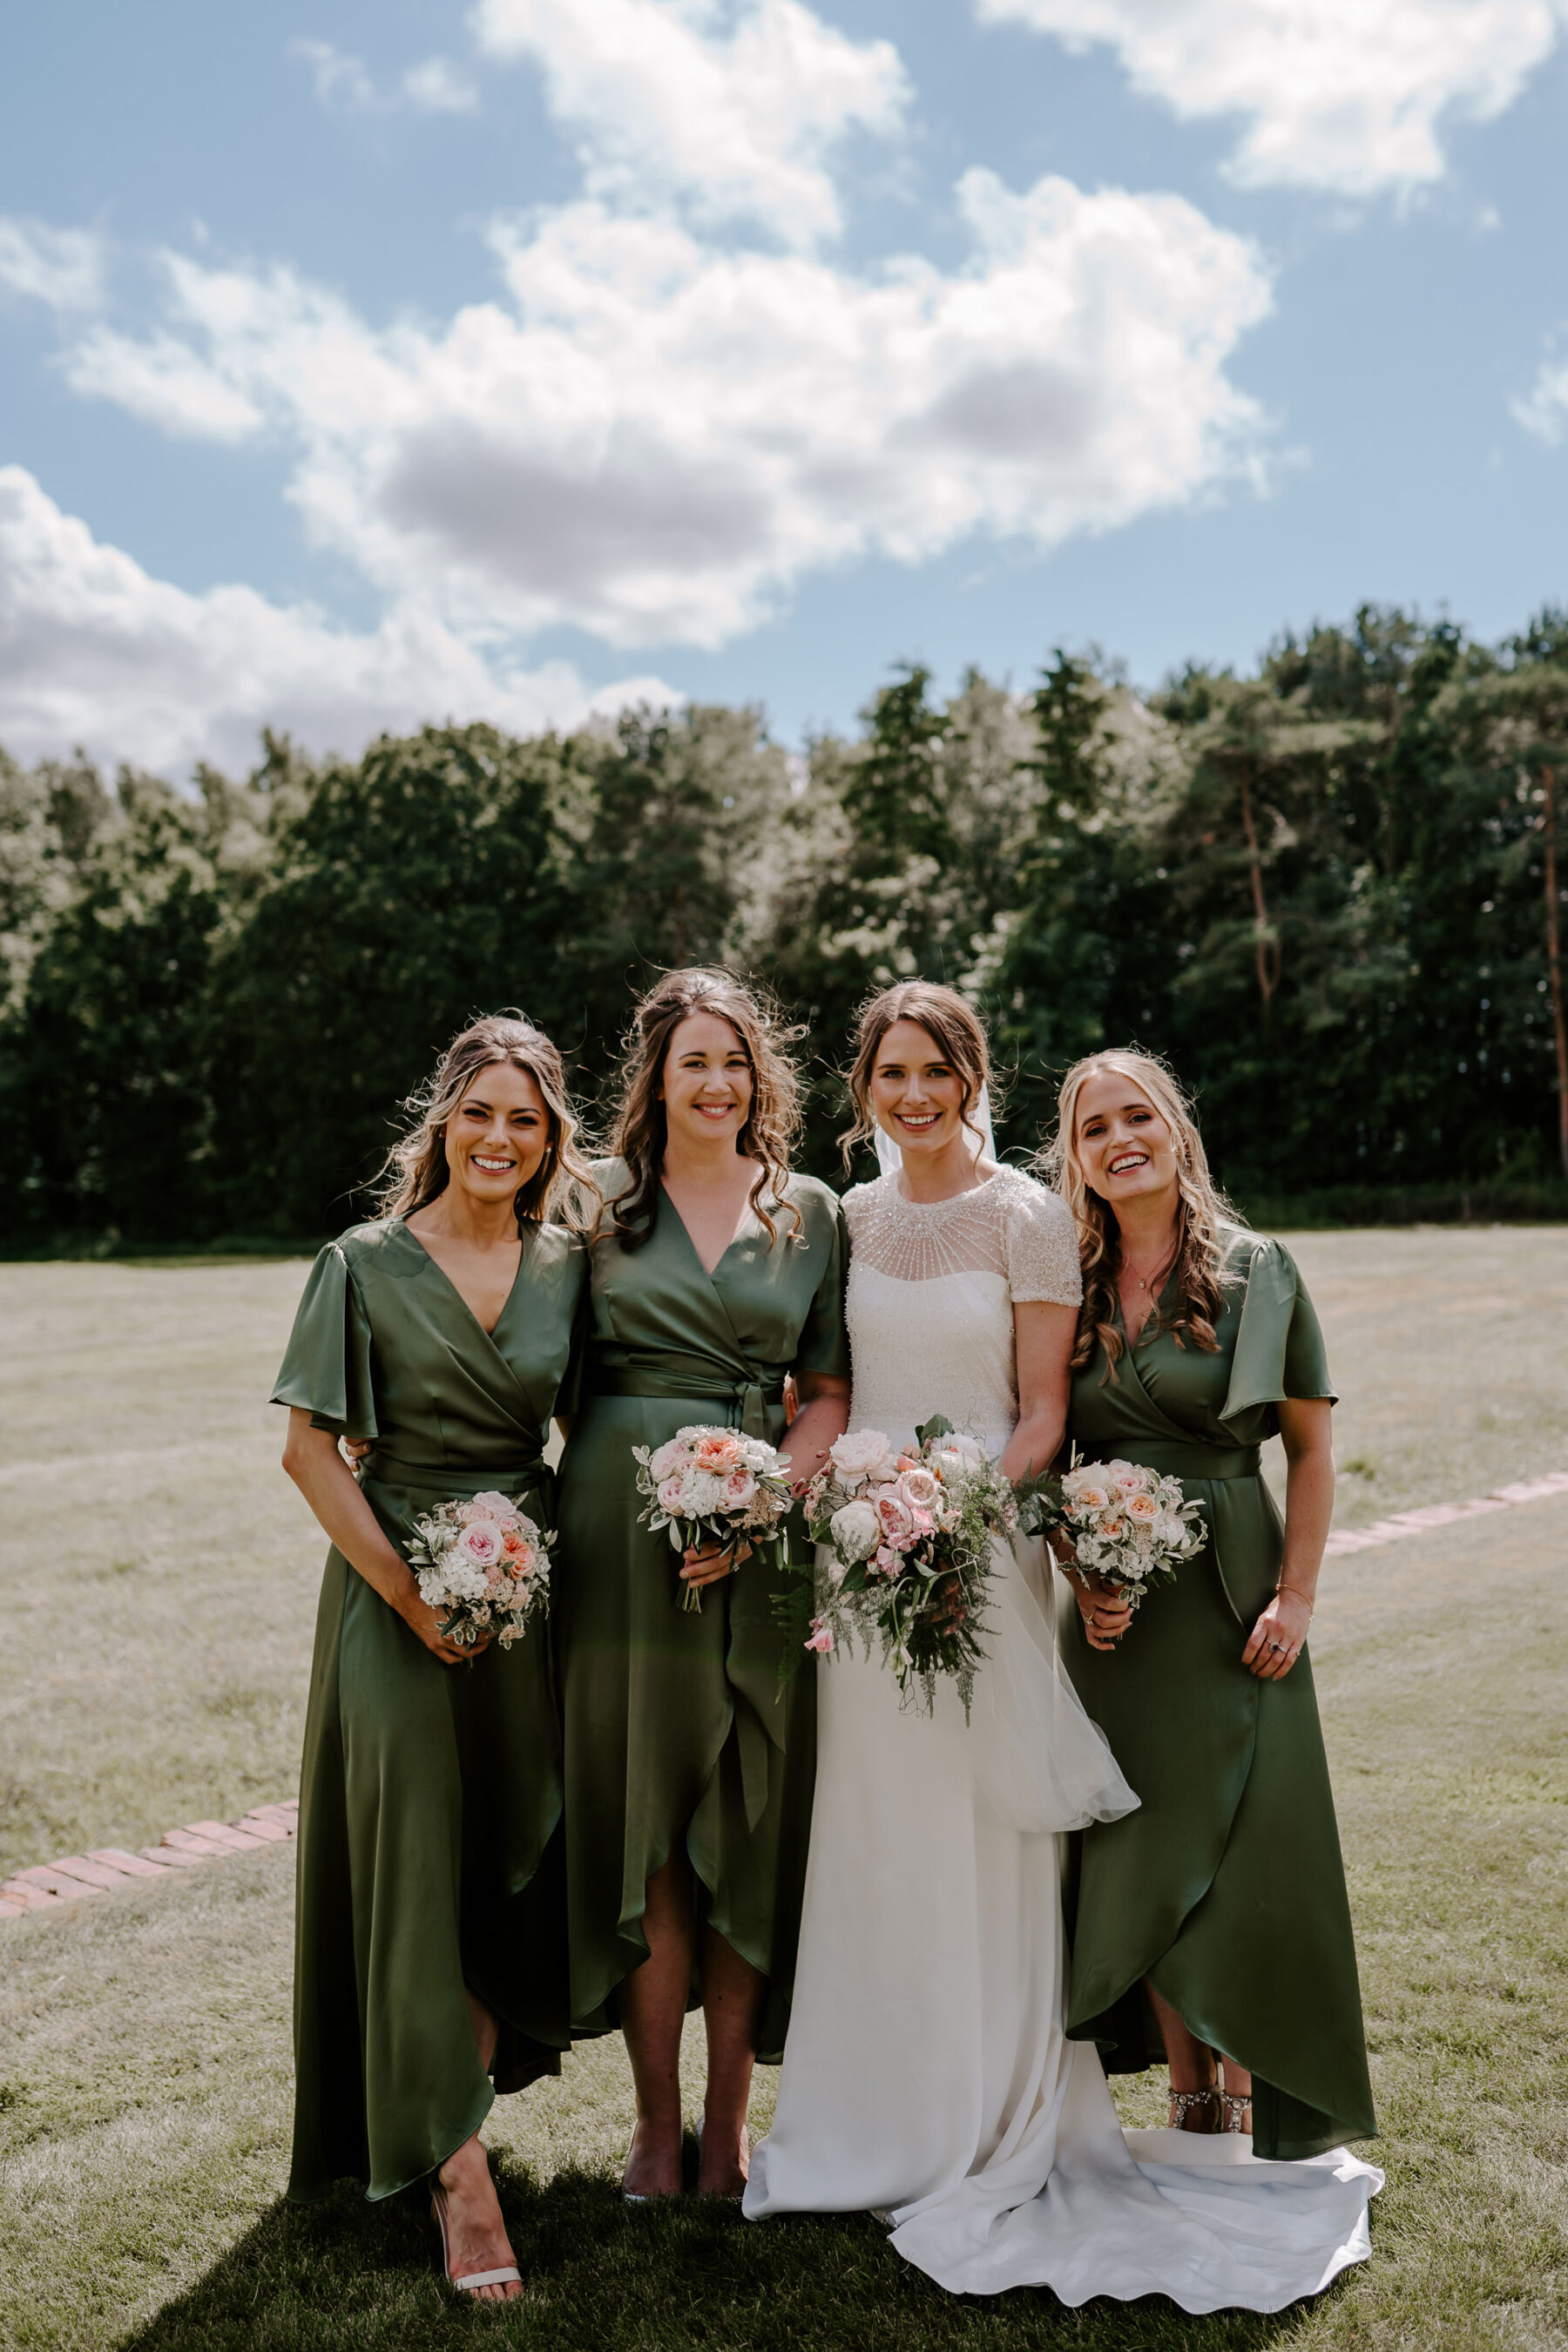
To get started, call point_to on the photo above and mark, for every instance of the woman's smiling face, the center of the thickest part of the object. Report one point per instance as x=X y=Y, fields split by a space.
x=498 y=1136
x=1124 y=1145
x=915 y=1091
x=707 y=1085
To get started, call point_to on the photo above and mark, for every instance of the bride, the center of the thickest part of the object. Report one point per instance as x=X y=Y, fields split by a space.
x=927 y=2075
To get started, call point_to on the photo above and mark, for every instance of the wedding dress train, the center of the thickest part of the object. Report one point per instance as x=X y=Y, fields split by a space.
x=927 y=2075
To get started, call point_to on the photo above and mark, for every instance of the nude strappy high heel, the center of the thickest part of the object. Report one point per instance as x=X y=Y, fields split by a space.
x=474 y=2280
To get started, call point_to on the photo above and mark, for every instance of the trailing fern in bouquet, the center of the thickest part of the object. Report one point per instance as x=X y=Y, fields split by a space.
x=906 y=1534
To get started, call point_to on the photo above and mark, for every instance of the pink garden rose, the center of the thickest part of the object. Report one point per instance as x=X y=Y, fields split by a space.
x=720 y=1452
x=671 y=1494
x=860 y=1454
x=740 y=1488
x=894 y=1516
x=479 y=1543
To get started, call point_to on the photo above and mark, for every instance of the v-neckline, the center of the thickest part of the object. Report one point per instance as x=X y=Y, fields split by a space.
x=431 y=1259
x=747 y=1216
x=1153 y=1311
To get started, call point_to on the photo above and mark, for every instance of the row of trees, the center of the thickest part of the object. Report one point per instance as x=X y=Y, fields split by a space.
x=1330 y=893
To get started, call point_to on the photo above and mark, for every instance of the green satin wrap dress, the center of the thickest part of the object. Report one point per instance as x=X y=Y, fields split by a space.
x=676 y=1727
x=430 y=1795
x=1226 y=1889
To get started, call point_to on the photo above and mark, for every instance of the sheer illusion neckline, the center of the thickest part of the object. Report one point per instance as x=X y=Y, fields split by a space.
x=953 y=1199
x=1008 y=1227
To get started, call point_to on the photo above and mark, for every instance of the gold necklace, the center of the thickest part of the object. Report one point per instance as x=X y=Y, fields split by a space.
x=1158 y=1267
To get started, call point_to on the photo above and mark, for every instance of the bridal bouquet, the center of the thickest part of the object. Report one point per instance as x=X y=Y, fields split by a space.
x=910 y=1537
x=486 y=1563
x=713 y=1487
x=1127 y=1524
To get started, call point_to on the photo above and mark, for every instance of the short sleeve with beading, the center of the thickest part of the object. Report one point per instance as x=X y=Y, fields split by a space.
x=1009 y=1226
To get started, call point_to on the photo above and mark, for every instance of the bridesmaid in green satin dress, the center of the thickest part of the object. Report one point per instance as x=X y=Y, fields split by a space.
x=431 y=1958
x=1213 y=1928
x=717 y=1276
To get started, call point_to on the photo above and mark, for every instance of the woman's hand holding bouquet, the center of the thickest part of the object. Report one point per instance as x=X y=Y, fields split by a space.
x=910 y=1532
x=483 y=1565
x=1120 y=1526
x=716 y=1490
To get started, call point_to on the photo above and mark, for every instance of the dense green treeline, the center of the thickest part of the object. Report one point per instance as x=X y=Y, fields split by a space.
x=1328 y=892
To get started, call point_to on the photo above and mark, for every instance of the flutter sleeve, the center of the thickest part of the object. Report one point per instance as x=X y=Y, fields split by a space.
x=1041 y=1243
x=326 y=1369
x=824 y=1345
x=1279 y=1349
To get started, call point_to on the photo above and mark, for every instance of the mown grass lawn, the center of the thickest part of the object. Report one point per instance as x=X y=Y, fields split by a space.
x=145 y=2090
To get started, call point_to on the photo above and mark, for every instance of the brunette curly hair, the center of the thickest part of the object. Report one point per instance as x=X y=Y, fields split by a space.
x=414 y=1170
x=638 y=1130
x=1198 y=1275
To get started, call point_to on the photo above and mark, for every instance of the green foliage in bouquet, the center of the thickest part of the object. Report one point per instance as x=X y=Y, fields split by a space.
x=906 y=1574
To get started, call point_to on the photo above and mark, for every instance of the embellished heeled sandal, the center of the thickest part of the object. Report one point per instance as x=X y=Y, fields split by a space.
x=1196 y=2102
x=1234 y=2109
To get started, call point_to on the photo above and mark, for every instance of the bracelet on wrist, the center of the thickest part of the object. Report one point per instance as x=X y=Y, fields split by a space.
x=1289 y=1593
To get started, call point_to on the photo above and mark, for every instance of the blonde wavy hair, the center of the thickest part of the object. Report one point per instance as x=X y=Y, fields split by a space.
x=1197 y=1274
x=414 y=1171
x=638 y=1133
x=949 y=1021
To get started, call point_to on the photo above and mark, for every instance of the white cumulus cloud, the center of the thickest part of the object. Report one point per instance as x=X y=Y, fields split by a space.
x=340 y=80
x=61 y=266
x=1543 y=410
x=737 y=113
x=94 y=651
x=161 y=381
x=652 y=438
x=437 y=86
x=1347 y=95
x=344 y=84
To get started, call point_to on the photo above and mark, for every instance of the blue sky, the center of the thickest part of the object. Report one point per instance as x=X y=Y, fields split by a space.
x=368 y=364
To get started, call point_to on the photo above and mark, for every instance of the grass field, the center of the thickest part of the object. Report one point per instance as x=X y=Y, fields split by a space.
x=144 y=2087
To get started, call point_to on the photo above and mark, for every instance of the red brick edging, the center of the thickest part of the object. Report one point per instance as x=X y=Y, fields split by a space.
x=50 y=1884
x=74 y=1875
x=1403 y=1524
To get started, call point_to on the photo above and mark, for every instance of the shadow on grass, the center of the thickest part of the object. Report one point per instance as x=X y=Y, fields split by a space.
x=599 y=2277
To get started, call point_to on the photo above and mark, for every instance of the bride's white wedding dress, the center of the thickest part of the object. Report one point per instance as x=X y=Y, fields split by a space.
x=926 y=2073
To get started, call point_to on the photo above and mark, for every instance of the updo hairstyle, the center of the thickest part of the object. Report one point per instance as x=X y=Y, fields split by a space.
x=954 y=1028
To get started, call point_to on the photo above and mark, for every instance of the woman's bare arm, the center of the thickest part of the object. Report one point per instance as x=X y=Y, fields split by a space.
x=1306 y=1425
x=1045 y=1342
x=310 y=1458
x=1044 y=1335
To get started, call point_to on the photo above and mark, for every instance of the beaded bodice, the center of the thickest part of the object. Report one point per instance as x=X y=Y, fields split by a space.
x=932 y=1285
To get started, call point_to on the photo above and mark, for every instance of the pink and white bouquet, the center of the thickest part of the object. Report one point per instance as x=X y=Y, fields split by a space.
x=710 y=1485
x=908 y=1531
x=486 y=1563
x=1127 y=1524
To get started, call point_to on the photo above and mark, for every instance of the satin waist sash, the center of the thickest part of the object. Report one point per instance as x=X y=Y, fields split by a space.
x=451 y=1482
x=1174 y=1458
x=668 y=1372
